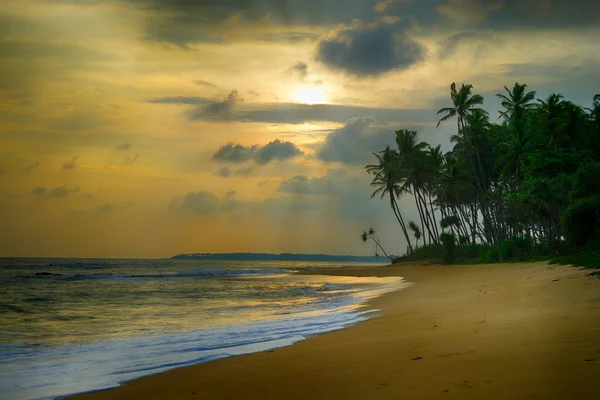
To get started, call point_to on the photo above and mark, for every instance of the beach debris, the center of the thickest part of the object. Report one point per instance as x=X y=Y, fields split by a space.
x=555 y=280
x=416 y=358
x=446 y=390
x=591 y=359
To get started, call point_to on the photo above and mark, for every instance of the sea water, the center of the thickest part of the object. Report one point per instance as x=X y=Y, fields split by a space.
x=72 y=325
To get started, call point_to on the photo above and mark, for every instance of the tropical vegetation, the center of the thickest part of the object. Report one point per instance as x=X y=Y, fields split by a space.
x=517 y=184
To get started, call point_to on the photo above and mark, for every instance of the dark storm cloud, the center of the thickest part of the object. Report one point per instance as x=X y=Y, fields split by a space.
x=184 y=22
x=355 y=142
x=531 y=14
x=370 y=49
x=275 y=150
x=450 y=45
x=295 y=113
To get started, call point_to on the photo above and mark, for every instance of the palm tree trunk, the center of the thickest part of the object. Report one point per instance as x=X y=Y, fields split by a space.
x=398 y=215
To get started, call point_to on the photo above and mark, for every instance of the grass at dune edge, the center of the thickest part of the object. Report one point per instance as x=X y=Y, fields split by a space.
x=473 y=255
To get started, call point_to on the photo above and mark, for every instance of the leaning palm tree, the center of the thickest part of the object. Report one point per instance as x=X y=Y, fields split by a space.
x=387 y=180
x=371 y=234
x=463 y=103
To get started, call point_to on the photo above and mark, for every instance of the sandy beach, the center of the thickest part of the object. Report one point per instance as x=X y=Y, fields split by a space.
x=503 y=331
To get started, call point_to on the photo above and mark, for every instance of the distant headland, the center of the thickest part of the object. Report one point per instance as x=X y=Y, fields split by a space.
x=279 y=257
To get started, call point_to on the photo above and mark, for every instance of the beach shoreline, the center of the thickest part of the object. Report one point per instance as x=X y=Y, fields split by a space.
x=526 y=330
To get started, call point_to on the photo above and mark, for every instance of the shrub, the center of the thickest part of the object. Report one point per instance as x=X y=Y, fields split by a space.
x=581 y=222
x=449 y=243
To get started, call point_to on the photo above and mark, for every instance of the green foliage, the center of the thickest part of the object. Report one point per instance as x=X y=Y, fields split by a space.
x=516 y=189
x=581 y=222
x=451 y=220
x=587 y=259
x=449 y=243
x=587 y=181
x=513 y=249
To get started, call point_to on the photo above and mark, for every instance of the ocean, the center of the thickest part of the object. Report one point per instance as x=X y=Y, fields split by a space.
x=71 y=325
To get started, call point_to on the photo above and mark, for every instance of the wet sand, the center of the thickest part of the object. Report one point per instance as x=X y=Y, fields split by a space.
x=503 y=331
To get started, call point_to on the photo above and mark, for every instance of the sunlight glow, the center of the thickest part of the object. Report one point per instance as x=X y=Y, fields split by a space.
x=310 y=95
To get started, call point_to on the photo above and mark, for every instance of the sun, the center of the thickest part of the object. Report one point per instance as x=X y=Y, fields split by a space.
x=309 y=95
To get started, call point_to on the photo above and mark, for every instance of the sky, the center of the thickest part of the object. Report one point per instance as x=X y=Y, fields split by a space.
x=147 y=128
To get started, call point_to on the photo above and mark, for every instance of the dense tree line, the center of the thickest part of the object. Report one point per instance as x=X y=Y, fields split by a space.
x=526 y=180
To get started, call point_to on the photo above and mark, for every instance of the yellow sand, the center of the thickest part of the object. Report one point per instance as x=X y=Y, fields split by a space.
x=505 y=331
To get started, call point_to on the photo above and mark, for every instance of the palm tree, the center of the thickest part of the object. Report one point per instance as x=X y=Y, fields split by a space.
x=370 y=234
x=463 y=103
x=414 y=162
x=416 y=231
x=516 y=103
x=388 y=181
x=551 y=112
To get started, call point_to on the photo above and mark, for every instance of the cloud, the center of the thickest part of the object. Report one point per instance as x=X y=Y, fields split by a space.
x=234 y=153
x=71 y=164
x=178 y=31
x=291 y=37
x=296 y=113
x=104 y=209
x=21 y=165
x=227 y=172
x=469 y=11
x=61 y=191
x=383 y=6
x=519 y=14
x=201 y=203
x=124 y=146
x=39 y=191
x=362 y=50
x=272 y=151
x=204 y=83
x=355 y=142
x=130 y=160
x=301 y=184
x=220 y=109
x=300 y=70
x=450 y=45
x=277 y=150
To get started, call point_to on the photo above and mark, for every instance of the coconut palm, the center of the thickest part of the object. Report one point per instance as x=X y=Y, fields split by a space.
x=463 y=103
x=387 y=180
x=551 y=111
x=516 y=103
x=371 y=234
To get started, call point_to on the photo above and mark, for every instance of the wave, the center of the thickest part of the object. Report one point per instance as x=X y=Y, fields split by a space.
x=333 y=287
x=201 y=272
